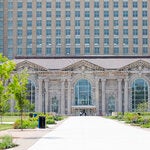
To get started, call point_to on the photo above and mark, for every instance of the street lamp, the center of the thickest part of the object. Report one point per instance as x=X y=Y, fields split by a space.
x=43 y=91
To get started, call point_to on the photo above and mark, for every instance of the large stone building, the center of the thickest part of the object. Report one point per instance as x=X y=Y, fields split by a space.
x=71 y=47
x=96 y=86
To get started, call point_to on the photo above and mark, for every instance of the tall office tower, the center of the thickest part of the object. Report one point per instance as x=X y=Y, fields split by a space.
x=1 y=25
x=74 y=27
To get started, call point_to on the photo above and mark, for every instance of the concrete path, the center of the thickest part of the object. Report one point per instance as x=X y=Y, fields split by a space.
x=94 y=133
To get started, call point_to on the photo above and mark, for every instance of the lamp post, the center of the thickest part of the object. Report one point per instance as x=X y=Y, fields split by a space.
x=43 y=91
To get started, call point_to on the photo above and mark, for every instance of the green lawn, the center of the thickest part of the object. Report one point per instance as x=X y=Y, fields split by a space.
x=5 y=126
x=11 y=118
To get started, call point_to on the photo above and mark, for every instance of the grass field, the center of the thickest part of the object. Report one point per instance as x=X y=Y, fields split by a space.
x=5 y=126
x=11 y=118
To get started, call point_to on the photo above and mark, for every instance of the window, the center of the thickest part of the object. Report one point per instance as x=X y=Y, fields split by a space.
x=77 y=31
x=29 y=14
x=87 y=14
x=116 y=50
x=19 y=42
x=29 y=23
x=58 y=41
x=135 y=50
x=48 y=14
x=125 y=50
x=77 y=13
x=29 y=5
x=135 y=13
x=38 y=14
x=115 y=4
x=58 y=14
x=87 y=23
x=116 y=41
x=77 y=22
x=106 y=4
x=116 y=14
x=58 y=23
x=86 y=4
x=29 y=41
x=87 y=41
x=58 y=32
x=135 y=22
x=77 y=50
x=87 y=31
x=39 y=5
x=96 y=50
x=145 y=50
x=96 y=41
x=39 y=51
x=48 y=23
x=39 y=23
x=48 y=41
x=68 y=50
x=67 y=5
x=144 y=13
x=116 y=23
x=87 y=50
x=67 y=31
x=139 y=93
x=125 y=13
x=106 y=23
x=125 y=4
x=96 y=4
x=135 y=31
x=96 y=31
x=19 y=32
x=77 y=40
x=48 y=32
x=106 y=50
x=83 y=94
x=145 y=23
x=19 y=4
x=135 y=5
x=10 y=5
x=29 y=32
x=144 y=4
x=145 y=32
x=39 y=32
x=68 y=41
x=125 y=41
x=58 y=50
x=68 y=14
x=106 y=41
x=77 y=4
x=48 y=4
x=106 y=13
x=135 y=41
x=39 y=42
x=96 y=23
x=48 y=51
x=106 y=31
x=19 y=23
x=145 y=41
x=58 y=4
x=96 y=14
x=116 y=32
x=19 y=14
x=68 y=23
x=19 y=51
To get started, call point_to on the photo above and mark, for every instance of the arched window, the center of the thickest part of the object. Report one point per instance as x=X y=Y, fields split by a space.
x=139 y=93
x=83 y=93
x=31 y=92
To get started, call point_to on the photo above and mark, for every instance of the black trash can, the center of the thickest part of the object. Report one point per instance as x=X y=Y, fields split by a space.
x=42 y=122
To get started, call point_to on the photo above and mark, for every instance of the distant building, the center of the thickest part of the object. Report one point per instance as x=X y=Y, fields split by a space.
x=74 y=27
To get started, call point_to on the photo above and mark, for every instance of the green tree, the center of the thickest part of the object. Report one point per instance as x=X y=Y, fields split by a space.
x=19 y=90
x=6 y=68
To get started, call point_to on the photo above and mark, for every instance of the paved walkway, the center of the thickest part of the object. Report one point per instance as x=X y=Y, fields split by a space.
x=94 y=133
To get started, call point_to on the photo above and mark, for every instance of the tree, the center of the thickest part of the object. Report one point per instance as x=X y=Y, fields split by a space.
x=6 y=68
x=19 y=90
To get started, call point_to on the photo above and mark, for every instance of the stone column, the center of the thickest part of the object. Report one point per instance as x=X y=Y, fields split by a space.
x=119 y=96
x=40 y=95
x=126 y=96
x=69 y=97
x=63 y=97
x=103 y=97
x=46 y=94
x=97 y=95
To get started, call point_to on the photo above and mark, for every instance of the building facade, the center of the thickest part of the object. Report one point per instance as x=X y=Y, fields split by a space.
x=74 y=27
x=95 y=86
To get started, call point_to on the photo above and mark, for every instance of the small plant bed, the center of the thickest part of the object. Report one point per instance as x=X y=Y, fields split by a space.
x=6 y=142
x=5 y=126
x=32 y=121
x=136 y=119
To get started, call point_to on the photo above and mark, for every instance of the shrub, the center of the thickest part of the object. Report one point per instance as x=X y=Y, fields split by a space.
x=7 y=142
x=58 y=118
x=31 y=124
x=50 y=121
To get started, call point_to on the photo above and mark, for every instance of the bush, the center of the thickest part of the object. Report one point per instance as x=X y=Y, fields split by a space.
x=7 y=142
x=58 y=118
x=50 y=121
x=26 y=124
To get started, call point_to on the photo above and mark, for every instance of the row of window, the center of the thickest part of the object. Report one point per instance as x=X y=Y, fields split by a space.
x=78 y=14
x=78 y=51
x=87 y=32
x=87 y=23
x=77 y=4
